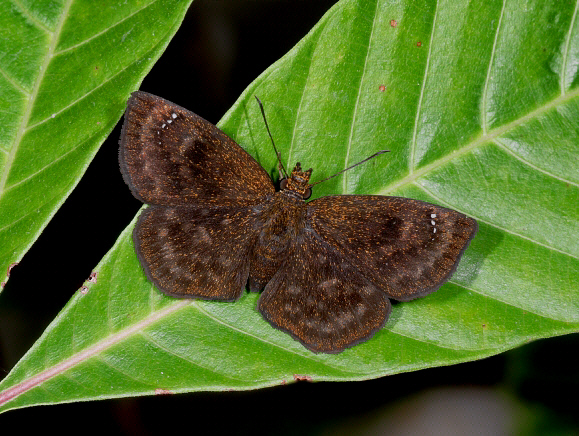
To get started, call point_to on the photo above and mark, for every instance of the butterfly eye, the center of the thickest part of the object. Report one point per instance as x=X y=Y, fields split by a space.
x=308 y=193
x=283 y=183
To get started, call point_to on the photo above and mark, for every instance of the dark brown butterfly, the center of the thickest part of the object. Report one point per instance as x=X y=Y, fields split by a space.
x=327 y=268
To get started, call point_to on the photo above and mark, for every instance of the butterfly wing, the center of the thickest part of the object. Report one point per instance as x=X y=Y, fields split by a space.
x=170 y=156
x=320 y=299
x=407 y=248
x=194 y=240
x=196 y=252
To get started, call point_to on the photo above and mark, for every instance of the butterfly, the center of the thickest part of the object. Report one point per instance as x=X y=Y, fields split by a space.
x=215 y=223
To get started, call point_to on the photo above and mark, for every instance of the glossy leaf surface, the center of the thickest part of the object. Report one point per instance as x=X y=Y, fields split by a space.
x=478 y=104
x=66 y=70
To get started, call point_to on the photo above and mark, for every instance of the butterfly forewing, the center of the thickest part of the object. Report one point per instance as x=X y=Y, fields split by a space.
x=320 y=298
x=170 y=156
x=195 y=241
x=408 y=248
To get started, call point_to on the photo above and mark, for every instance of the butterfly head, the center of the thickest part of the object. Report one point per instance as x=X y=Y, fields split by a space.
x=298 y=183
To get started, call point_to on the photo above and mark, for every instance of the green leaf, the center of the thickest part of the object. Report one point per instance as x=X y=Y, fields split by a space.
x=66 y=70
x=477 y=102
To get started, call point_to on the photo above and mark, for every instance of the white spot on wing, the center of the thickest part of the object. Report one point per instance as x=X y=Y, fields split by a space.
x=326 y=328
x=328 y=284
x=360 y=309
x=366 y=291
x=292 y=290
x=203 y=234
x=225 y=261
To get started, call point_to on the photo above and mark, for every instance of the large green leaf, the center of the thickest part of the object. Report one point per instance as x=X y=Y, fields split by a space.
x=66 y=70
x=477 y=102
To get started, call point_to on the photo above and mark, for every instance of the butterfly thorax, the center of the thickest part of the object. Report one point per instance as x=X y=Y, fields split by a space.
x=282 y=220
x=298 y=183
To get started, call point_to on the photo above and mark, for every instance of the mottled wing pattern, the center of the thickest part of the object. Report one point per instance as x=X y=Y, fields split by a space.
x=407 y=248
x=170 y=156
x=320 y=299
x=196 y=252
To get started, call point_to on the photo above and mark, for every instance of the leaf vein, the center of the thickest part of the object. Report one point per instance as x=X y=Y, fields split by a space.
x=355 y=112
x=232 y=327
x=55 y=161
x=13 y=82
x=298 y=111
x=82 y=97
x=31 y=17
x=481 y=140
x=562 y=78
x=498 y=227
x=505 y=302
x=124 y=373
x=529 y=164
x=172 y=353
x=32 y=99
x=86 y=354
x=22 y=217
x=431 y=342
x=419 y=106
x=484 y=120
x=96 y=35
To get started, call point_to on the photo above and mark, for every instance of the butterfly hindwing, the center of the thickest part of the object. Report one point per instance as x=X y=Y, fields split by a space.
x=171 y=156
x=407 y=248
x=196 y=252
x=320 y=299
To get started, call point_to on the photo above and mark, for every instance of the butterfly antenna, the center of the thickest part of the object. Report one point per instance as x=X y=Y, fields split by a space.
x=349 y=168
x=277 y=153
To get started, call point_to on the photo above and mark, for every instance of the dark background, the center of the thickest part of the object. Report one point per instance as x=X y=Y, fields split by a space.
x=220 y=48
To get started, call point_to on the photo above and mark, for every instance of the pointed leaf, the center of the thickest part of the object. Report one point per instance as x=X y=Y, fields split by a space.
x=478 y=104
x=66 y=70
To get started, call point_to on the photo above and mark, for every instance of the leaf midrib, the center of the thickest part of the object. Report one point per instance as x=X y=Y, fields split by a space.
x=117 y=337
x=152 y=318
x=86 y=353
x=54 y=36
